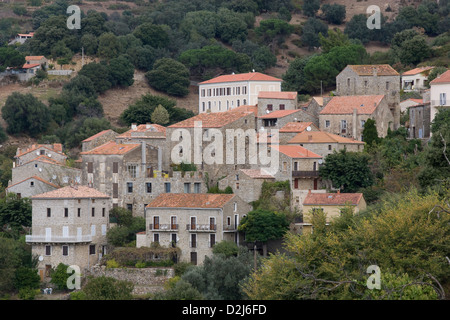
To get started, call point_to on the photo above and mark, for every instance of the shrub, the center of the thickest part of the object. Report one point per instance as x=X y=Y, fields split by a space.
x=28 y=293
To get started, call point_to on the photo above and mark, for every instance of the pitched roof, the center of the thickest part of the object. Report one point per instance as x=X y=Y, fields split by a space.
x=43 y=158
x=321 y=137
x=30 y=65
x=211 y=120
x=190 y=200
x=332 y=199
x=28 y=58
x=113 y=147
x=416 y=71
x=246 y=108
x=56 y=147
x=346 y=104
x=443 y=78
x=297 y=126
x=97 y=135
x=418 y=101
x=285 y=95
x=250 y=76
x=368 y=69
x=141 y=129
x=278 y=114
x=257 y=173
x=72 y=192
x=35 y=178
x=294 y=151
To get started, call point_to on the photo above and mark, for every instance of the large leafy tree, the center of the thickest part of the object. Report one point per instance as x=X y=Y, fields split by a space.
x=169 y=76
x=121 y=71
x=348 y=171
x=98 y=73
x=334 y=13
x=15 y=212
x=152 y=34
x=9 y=57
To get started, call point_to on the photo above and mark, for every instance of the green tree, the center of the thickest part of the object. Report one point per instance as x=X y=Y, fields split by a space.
x=59 y=276
x=227 y=248
x=108 y=46
x=180 y=290
x=262 y=225
x=160 y=115
x=98 y=73
x=335 y=38
x=24 y=113
x=106 y=288
x=274 y=30
x=169 y=76
x=15 y=212
x=311 y=30
x=434 y=73
x=334 y=13
x=348 y=171
x=370 y=133
x=121 y=71
x=10 y=57
x=294 y=78
x=152 y=35
x=230 y=26
x=89 y=42
x=310 y=7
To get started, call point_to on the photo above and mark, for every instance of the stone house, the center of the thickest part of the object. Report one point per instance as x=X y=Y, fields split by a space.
x=31 y=186
x=324 y=143
x=21 y=38
x=439 y=94
x=405 y=104
x=269 y=101
x=227 y=92
x=415 y=79
x=358 y=80
x=246 y=183
x=41 y=60
x=194 y=222
x=419 y=121
x=331 y=204
x=291 y=129
x=278 y=119
x=98 y=139
x=346 y=115
x=316 y=105
x=69 y=226
x=53 y=151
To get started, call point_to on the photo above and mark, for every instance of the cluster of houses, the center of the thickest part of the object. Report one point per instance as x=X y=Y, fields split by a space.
x=137 y=169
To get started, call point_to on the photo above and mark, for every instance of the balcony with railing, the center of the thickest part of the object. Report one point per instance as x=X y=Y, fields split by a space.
x=201 y=227
x=230 y=228
x=163 y=227
x=305 y=174
x=57 y=239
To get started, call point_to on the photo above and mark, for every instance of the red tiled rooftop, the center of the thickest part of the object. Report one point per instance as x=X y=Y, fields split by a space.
x=320 y=137
x=190 y=200
x=367 y=70
x=28 y=58
x=142 y=128
x=419 y=101
x=36 y=178
x=416 y=71
x=96 y=135
x=113 y=147
x=56 y=147
x=285 y=95
x=211 y=120
x=250 y=76
x=72 y=192
x=278 y=114
x=332 y=199
x=295 y=151
x=30 y=65
x=443 y=78
x=297 y=126
x=346 y=104
x=246 y=108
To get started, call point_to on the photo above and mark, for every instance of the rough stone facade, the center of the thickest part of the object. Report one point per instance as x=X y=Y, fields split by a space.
x=51 y=151
x=98 y=139
x=419 y=121
x=277 y=104
x=31 y=187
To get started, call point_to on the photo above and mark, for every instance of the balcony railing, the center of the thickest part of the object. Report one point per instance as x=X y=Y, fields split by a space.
x=230 y=228
x=57 y=239
x=163 y=227
x=305 y=174
x=201 y=227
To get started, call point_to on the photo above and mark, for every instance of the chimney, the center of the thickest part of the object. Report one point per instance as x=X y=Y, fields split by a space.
x=148 y=125
x=339 y=191
x=133 y=126
x=374 y=71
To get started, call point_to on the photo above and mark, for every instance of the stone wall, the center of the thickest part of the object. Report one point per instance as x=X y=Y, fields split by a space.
x=145 y=280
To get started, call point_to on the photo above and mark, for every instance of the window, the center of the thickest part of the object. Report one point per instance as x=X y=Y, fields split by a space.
x=130 y=187
x=387 y=85
x=348 y=82
x=32 y=184
x=209 y=92
x=130 y=207
x=93 y=230
x=92 y=249
x=244 y=90
x=203 y=92
x=193 y=240
x=167 y=187
x=65 y=250
x=42 y=152
x=187 y=187
x=115 y=167
x=197 y=187
x=48 y=250
x=79 y=212
x=148 y=187
x=284 y=166
x=269 y=107
x=156 y=222
x=156 y=237
x=365 y=83
x=103 y=212
x=228 y=92
x=93 y=212
x=343 y=124
x=329 y=147
x=442 y=99
x=235 y=206
x=203 y=106
x=281 y=106
x=237 y=185
x=66 y=212
x=238 y=103
x=115 y=190
x=228 y=221
x=238 y=90
x=49 y=212
x=90 y=167
x=327 y=123
x=212 y=240
x=132 y=170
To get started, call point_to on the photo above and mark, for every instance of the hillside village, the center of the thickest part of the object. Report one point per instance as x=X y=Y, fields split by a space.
x=257 y=167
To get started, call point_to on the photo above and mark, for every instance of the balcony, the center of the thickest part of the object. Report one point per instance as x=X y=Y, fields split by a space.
x=305 y=174
x=163 y=227
x=230 y=228
x=201 y=227
x=57 y=239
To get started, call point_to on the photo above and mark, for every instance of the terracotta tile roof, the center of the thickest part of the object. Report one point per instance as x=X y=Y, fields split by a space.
x=113 y=147
x=443 y=78
x=250 y=76
x=246 y=108
x=321 y=137
x=416 y=71
x=72 y=192
x=190 y=200
x=145 y=128
x=367 y=70
x=285 y=95
x=418 y=101
x=295 y=151
x=278 y=114
x=297 y=126
x=26 y=34
x=211 y=120
x=30 y=65
x=346 y=104
x=97 y=135
x=332 y=199
x=45 y=159
x=35 y=178
x=56 y=147
x=28 y=58
x=257 y=173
